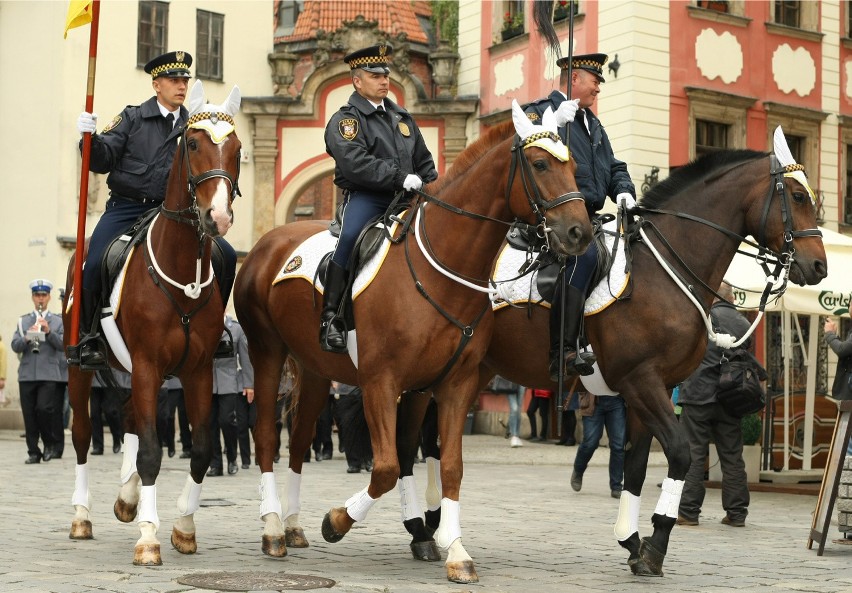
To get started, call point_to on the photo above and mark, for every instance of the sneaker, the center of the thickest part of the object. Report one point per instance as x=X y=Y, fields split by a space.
x=516 y=442
x=726 y=520
x=615 y=493
x=681 y=520
x=576 y=481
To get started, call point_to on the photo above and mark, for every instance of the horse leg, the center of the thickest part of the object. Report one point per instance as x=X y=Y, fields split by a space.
x=197 y=395
x=79 y=387
x=626 y=527
x=380 y=407
x=432 y=454
x=409 y=423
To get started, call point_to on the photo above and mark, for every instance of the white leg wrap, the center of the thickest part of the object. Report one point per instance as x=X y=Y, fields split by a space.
x=669 y=498
x=450 y=528
x=188 y=501
x=628 y=516
x=409 y=505
x=434 y=490
x=81 y=486
x=148 y=506
x=359 y=505
x=269 y=501
x=131 y=449
x=294 y=500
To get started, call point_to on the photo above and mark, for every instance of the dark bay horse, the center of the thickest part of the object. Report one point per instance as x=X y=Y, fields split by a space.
x=412 y=318
x=652 y=340
x=170 y=319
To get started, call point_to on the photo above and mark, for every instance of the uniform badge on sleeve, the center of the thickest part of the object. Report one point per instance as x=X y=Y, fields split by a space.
x=348 y=128
x=403 y=127
x=115 y=121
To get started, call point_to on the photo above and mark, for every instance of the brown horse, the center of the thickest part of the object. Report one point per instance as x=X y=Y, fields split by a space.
x=418 y=329
x=663 y=348
x=167 y=328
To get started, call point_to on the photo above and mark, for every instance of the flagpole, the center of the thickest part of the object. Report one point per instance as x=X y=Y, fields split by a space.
x=84 y=178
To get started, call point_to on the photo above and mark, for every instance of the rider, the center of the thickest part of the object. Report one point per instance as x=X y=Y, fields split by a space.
x=377 y=150
x=137 y=149
x=599 y=174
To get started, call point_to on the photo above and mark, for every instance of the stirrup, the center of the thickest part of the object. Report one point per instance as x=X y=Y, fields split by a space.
x=338 y=346
x=583 y=363
x=87 y=354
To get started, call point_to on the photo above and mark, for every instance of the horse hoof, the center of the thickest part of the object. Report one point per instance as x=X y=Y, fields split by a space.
x=124 y=512
x=184 y=542
x=426 y=551
x=328 y=532
x=81 y=529
x=147 y=555
x=274 y=546
x=462 y=572
x=652 y=558
x=294 y=537
x=639 y=567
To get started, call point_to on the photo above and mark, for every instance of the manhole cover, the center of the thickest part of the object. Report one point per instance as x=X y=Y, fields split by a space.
x=255 y=581
x=215 y=502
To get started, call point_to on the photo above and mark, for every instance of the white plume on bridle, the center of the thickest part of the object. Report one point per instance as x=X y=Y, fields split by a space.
x=548 y=130
x=785 y=159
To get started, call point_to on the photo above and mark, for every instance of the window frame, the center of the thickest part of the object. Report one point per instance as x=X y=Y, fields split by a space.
x=209 y=63
x=720 y=108
x=145 y=51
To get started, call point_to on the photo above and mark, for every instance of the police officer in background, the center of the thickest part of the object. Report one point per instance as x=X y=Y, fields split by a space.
x=378 y=150
x=38 y=340
x=599 y=174
x=136 y=149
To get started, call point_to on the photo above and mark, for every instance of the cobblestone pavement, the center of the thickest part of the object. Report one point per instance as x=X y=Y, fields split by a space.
x=526 y=530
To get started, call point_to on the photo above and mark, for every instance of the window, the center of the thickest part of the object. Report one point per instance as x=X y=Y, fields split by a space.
x=710 y=137
x=153 y=34
x=288 y=14
x=787 y=12
x=513 y=19
x=210 y=28
x=717 y=5
x=847 y=199
x=848 y=19
x=801 y=128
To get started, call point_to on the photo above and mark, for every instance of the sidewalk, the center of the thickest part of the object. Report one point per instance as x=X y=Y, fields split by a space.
x=526 y=530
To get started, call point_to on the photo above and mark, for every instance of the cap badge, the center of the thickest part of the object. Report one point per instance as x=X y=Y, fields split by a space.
x=179 y=56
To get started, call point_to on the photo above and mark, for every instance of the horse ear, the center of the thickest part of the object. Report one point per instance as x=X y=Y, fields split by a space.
x=523 y=126
x=232 y=103
x=196 y=97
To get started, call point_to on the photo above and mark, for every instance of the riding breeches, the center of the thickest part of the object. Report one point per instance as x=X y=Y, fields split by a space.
x=358 y=210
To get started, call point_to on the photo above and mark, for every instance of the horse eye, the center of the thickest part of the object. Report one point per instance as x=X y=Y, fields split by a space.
x=192 y=144
x=540 y=165
x=799 y=197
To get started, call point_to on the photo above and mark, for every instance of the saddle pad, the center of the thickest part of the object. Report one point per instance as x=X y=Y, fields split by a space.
x=525 y=289
x=306 y=258
x=115 y=295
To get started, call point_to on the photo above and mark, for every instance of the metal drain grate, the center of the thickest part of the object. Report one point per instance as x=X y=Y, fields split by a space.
x=255 y=581
x=215 y=502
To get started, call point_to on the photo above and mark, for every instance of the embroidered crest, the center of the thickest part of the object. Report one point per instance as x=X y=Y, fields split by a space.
x=533 y=116
x=293 y=265
x=179 y=55
x=348 y=128
x=404 y=129
x=115 y=121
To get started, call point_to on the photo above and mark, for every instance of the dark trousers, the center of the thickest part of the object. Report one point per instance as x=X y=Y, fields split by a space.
x=322 y=438
x=542 y=405
x=59 y=422
x=40 y=404
x=106 y=404
x=246 y=418
x=176 y=402
x=359 y=209
x=223 y=419
x=703 y=424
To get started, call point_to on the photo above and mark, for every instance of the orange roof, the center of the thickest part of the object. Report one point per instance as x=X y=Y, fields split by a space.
x=394 y=17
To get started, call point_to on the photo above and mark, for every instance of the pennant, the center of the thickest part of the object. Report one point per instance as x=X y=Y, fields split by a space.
x=79 y=14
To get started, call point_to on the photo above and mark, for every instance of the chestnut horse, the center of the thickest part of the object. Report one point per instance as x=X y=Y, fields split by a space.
x=422 y=323
x=713 y=202
x=168 y=328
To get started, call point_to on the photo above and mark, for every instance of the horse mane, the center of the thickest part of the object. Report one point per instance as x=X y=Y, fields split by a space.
x=698 y=170
x=474 y=153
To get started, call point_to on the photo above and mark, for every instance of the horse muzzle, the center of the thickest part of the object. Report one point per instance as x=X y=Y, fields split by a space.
x=808 y=272
x=571 y=239
x=216 y=222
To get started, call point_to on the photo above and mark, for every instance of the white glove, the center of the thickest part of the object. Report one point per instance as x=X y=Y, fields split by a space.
x=87 y=123
x=629 y=201
x=412 y=181
x=566 y=111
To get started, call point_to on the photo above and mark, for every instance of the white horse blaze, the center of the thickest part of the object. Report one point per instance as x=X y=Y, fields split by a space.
x=627 y=522
x=669 y=498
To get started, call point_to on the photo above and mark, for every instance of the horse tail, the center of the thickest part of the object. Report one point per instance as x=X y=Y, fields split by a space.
x=294 y=370
x=543 y=19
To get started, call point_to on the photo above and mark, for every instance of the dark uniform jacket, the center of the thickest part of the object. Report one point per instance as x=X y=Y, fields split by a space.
x=700 y=388
x=599 y=174
x=47 y=363
x=136 y=152
x=374 y=152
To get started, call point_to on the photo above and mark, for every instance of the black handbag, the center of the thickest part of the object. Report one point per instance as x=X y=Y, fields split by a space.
x=740 y=390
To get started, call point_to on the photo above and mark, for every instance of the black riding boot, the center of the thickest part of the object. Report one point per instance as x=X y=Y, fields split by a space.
x=88 y=354
x=332 y=325
x=574 y=302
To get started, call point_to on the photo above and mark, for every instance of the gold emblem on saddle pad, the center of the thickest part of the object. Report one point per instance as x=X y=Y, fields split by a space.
x=348 y=128
x=404 y=129
x=115 y=121
x=293 y=265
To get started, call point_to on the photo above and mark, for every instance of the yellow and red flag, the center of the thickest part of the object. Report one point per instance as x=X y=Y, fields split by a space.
x=79 y=14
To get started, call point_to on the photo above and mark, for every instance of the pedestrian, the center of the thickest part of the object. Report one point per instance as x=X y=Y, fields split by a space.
x=177 y=406
x=322 y=444
x=38 y=341
x=704 y=420
x=540 y=401
x=502 y=386
x=598 y=412
x=136 y=149
x=377 y=150
x=599 y=174
x=841 y=389
x=568 y=404
x=106 y=402
x=246 y=408
x=4 y=401
x=353 y=432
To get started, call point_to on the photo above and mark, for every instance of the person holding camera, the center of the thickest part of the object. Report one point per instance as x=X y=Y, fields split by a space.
x=38 y=342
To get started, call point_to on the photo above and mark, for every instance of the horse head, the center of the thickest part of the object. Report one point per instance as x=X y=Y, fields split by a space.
x=545 y=192
x=210 y=155
x=785 y=220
